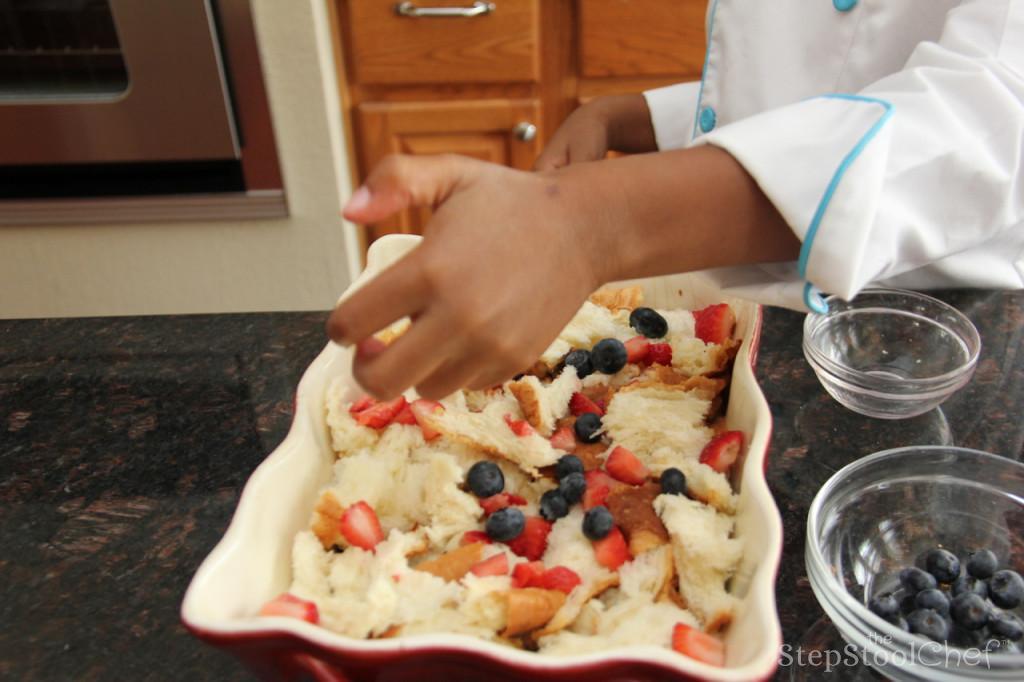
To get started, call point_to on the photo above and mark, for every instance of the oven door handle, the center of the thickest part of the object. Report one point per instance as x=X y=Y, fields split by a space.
x=409 y=9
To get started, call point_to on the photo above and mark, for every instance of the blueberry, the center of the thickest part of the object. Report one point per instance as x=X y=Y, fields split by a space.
x=929 y=623
x=505 y=524
x=580 y=359
x=969 y=611
x=942 y=564
x=553 y=506
x=968 y=639
x=485 y=479
x=608 y=356
x=568 y=464
x=648 y=322
x=907 y=604
x=587 y=426
x=597 y=522
x=901 y=623
x=673 y=482
x=932 y=599
x=885 y=606
x=1006 y=625
x=572 y=487
x=982 y=564
x=914 y=580
x=1006 y=589
x=966 y=583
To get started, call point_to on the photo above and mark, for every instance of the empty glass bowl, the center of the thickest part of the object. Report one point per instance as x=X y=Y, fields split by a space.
x=889 y=353
x=880 y=514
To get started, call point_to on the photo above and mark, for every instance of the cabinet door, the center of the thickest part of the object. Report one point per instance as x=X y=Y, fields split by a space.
x=491 y=130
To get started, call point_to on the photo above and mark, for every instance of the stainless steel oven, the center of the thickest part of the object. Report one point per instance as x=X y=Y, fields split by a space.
x=132 y=99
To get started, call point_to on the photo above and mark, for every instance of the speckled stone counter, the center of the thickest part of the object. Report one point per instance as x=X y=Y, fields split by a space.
x=125 y=442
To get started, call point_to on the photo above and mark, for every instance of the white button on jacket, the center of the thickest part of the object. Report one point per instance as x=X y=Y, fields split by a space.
x=888 y=133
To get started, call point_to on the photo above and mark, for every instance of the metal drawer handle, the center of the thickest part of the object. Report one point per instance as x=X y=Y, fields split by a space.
x=409 y=9
x=525 y=131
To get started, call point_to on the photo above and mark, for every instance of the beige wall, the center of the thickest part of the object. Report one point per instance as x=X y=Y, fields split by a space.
x=299 y=263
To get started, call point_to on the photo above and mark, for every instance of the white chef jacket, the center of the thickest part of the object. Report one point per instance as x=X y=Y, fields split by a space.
x=889 y=134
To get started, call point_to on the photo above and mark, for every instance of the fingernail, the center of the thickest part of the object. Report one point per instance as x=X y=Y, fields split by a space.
x=369 y=348
x=359 y=200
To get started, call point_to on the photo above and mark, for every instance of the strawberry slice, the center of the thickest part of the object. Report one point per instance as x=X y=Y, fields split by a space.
x=581 y=404
x=532 y=542
x=361 y=404
x=495 y=565
x=557 y=578
x=611 y=550
x=290 y=606
x=599 y=484
x=380 y=415
x=714 y=323
x=360 y=526
x=520 y=427
x=692 y=642
x=472 y=536
x=421 y=410
x=525 y=573
x=405 y=416
x=636 y=349
x=722 y=451
x=564 y=439
x=624 y=466
x=500 y=501
x=659 y=354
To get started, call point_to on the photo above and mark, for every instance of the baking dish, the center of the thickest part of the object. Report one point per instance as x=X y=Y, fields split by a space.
x=252 y=563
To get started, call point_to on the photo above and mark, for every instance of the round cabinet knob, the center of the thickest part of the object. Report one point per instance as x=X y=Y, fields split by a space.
x=525 y=131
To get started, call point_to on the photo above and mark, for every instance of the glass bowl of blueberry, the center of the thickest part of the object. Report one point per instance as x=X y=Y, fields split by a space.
x=915 y=554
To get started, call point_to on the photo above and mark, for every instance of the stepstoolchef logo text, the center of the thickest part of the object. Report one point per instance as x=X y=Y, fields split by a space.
x=928 y=654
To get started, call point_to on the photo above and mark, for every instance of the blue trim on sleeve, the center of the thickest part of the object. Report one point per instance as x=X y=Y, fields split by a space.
x=812 y=298
x=704 y=70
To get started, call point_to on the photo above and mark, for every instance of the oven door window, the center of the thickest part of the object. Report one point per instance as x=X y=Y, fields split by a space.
x=60 y=50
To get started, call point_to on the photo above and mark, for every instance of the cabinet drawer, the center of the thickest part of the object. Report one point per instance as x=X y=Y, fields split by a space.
x=641 y=38
x=386 y=47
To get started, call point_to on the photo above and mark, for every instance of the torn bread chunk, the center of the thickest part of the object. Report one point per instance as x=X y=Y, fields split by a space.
x=590 y=324
x=631 y=507
x=631 y=622
x=347 y=435
x=455 y=563
x=706 y=556
x=543 y=405
x=658 y=418
x=490 y=433
x=530 y=608
x=620 y=298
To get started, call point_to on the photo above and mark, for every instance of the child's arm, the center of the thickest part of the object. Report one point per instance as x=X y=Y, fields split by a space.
x=620 y=123
x=509 y=256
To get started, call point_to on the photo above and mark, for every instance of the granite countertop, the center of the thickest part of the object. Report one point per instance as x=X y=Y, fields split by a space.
x=125 y=442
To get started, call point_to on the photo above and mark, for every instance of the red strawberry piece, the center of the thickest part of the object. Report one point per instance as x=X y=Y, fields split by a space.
x=564 y=439
x=421 y=410
x=500 y=501
x=699 y=645
x=581 y=404
x=558 y=578
x=495 y=565
x=524 y=574
x=291 y=606
x=659 y=354
x=520 y=427
x=599 y=484
x=381 y=414
x=722 y=451
x=611 y=551
x=532 y=542
x=360 y=526
x=406 y=416
x=624 y=466
x=714 y=324
x=636 y=349
x=472 y=536
x=361 y=404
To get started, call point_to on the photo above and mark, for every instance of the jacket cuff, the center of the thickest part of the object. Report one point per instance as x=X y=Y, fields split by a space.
x=673 y=109
x=822 y=163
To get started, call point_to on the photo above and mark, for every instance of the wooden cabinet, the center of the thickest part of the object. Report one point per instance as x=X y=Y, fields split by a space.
x=478 y=85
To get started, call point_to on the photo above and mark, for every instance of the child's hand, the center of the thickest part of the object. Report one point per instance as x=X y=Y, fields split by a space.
x=502 y=268
x=615 y=123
